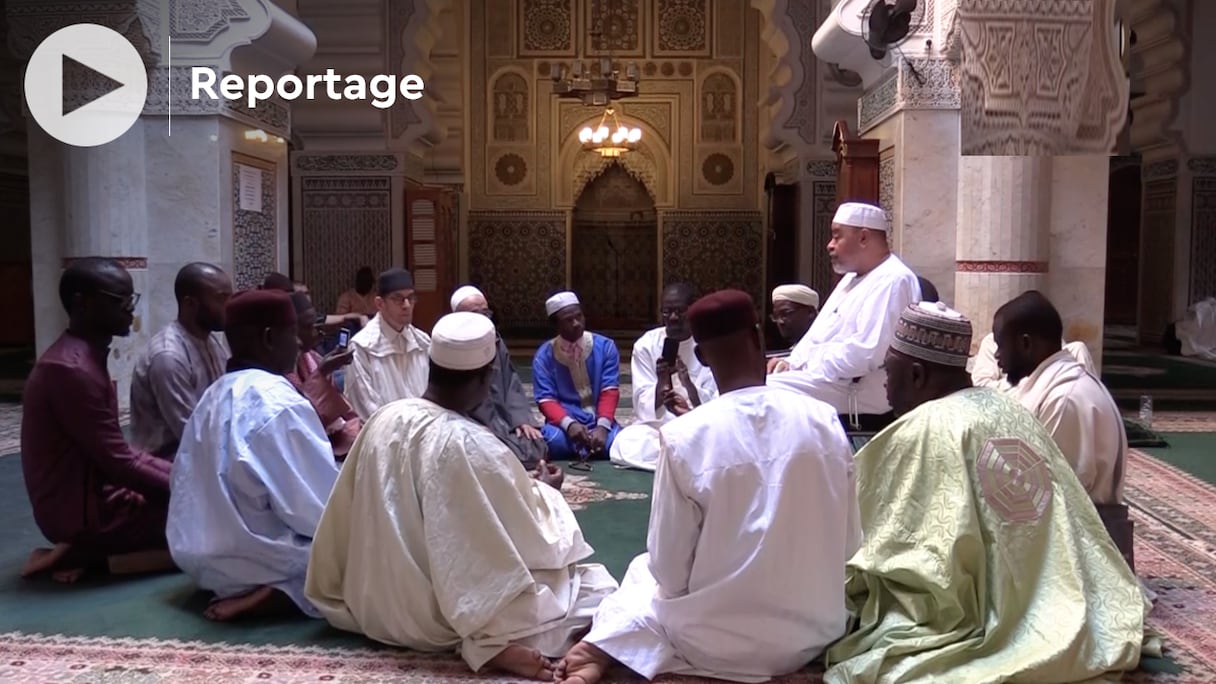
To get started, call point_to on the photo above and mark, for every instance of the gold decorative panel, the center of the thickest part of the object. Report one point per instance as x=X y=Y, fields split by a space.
x=682 y=28
x=719 y=108
x=548 y=28
x=511 y=100
x=511 y=173
x=718 y=172
x=621 y=24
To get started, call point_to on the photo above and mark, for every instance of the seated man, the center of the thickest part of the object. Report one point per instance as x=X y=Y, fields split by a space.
x=982 y=556
x=469 y=551
x=839 y=360
x=181 y=361
x=507 y=411
x=313 y=375
x=794 y=310
x=360 y=299
x=253 y=471
x=1069 y=401
x=576 y=382
x=390 y=360
x=662 y=390
x=986 y=372
x=94 y=496
x=754 y=517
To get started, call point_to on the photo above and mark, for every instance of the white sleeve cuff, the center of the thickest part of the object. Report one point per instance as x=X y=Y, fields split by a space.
x=566 y=423
x=604 y=423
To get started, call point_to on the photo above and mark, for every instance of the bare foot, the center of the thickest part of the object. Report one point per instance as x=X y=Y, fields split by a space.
x=585 y=663
x=42 y=560
x=69 y=576
x=236 y=606
x=523 y=661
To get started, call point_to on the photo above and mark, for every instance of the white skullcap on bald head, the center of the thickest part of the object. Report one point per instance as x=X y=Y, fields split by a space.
x=859 y=215
x=463 y=341
x=560 y=301
x=798 y=294
x=463 y=293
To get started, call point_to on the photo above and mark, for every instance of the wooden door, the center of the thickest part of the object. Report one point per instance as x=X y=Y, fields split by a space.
x=856 y=166
x=781 y=261
x=1123 y=246
x=430 y=250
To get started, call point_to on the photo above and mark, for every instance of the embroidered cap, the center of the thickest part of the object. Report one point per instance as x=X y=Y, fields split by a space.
x=861 y=215
x=935 y=333
x=798 y=294
x=463 y=293
x=463 y=341
x=560 y=301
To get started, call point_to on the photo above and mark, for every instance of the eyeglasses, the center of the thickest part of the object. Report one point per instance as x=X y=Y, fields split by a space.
x=400 y=300
x=668 y=313
x=128 y=301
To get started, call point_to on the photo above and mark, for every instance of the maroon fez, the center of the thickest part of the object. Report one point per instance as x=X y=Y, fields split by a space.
x=264 y=308
x=721 y=313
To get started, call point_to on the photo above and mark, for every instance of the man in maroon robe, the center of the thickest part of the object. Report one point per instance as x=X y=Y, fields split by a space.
x=312 y=377
x=94 y=496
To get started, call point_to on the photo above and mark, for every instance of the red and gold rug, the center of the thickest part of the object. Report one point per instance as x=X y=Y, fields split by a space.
x=1175 y=518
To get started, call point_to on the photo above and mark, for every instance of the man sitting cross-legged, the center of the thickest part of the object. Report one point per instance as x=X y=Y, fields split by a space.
x=437 y=539
x=576 y=382
x=663 y=389
x=1069 y=400
x=983 y=559
x=94 y=496
x=253 y=471
x=507 y=411
x=181 y=361
x=754 y=517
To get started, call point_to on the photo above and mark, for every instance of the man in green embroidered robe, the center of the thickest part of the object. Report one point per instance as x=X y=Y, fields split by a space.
x=984 y=559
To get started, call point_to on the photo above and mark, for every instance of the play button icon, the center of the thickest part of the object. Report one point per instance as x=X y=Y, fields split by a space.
x=86 y=85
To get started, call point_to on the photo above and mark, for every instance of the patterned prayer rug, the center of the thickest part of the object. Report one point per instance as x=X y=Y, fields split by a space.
x=1175 y=555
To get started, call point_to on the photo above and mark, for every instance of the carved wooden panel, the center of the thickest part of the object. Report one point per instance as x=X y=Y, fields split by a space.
x=510 y=103
x=547 y=28
x=622 y=26
x=719 y=113
x=682 y=28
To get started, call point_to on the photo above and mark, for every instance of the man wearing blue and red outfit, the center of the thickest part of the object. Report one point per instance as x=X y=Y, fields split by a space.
x=576 y=382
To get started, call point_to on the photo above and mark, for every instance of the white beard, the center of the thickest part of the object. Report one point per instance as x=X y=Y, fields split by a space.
x=839 y=268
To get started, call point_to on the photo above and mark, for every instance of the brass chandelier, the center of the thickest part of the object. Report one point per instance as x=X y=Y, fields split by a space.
x=610 y=139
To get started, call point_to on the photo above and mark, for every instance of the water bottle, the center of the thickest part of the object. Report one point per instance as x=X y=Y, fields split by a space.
x=1146 y=410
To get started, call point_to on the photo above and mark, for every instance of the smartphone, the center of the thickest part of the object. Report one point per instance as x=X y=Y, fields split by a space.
x=671 y=349
x=343 y=338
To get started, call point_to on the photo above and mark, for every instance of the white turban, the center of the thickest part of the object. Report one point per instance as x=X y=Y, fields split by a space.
x=798 y=294
x=463 y=341
x=859 y=215
x=463 y=293
x=560 y=301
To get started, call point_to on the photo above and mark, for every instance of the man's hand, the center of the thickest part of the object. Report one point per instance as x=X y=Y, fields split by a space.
x=686 y=380
x=527 y=432
x=336 y=359
x=778 y=365
x=676 y=403
x=549 y=474
x=598 y=439
x=578 y=435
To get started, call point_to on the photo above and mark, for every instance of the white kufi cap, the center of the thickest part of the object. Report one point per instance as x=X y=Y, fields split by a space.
x=859 y=215
x=463 y=341
x=463 y=293
x=560 y=301
x=798 y=294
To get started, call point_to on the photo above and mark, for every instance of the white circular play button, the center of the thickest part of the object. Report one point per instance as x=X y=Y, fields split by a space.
x=86 y=85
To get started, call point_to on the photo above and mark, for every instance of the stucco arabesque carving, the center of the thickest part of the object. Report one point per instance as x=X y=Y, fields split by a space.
x=31 y=21
x=787 y=76
x=649 y=164
x=1159 y=66
x=414 y=125
x=915 y=83
x=200 y=21
x=1024 y=90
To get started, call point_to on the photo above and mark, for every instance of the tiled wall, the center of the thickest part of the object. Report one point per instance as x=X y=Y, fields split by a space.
x=346 y=223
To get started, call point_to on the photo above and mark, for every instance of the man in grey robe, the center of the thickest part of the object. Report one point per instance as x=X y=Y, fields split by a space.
x=507 y=412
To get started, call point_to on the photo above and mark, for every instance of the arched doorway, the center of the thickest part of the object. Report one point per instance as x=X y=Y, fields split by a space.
x=614 y=258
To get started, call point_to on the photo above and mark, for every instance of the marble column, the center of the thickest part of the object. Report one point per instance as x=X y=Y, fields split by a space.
x=1003 y=240
x=162 y=194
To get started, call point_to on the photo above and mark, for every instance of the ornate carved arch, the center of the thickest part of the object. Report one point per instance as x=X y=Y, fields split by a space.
x=1159 y=65
x=781 y=36
x=650 y=164
x=512 y=74
x=414 y=29
x=719 y=75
